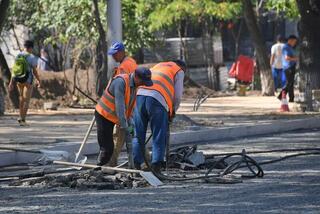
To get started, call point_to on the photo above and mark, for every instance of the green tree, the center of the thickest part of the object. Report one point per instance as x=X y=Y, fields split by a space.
x=4 y=68
x=135 y=24
x=168 y=14
x=310 y=46
x=250 y=18
x=286 y=8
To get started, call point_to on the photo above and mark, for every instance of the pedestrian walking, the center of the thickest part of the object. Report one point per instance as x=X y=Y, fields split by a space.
x=23 y=72
x=278 y=74
x=289 y=61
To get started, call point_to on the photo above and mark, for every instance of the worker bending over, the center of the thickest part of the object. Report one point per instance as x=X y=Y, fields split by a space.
x=115 y=107
x=127 y=65
x=157 y=104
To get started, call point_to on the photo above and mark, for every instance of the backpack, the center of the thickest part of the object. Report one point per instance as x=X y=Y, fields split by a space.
x=20 y=69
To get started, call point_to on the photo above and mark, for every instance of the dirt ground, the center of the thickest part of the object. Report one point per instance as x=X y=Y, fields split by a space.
x=59 y=87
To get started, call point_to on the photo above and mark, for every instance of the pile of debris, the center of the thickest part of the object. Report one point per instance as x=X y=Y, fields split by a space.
x=96 y=179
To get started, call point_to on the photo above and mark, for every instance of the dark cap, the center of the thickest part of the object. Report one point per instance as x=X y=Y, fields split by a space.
x=28 y=44
x=145 y=75
x=182 y=64
x=115 y=47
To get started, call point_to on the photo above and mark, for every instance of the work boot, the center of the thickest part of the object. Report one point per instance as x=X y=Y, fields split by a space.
x=102 y=158
x=137 y=166
x=156 y=168
x=22 y=122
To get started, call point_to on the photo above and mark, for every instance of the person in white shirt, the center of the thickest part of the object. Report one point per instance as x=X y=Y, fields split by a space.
x=276 y=63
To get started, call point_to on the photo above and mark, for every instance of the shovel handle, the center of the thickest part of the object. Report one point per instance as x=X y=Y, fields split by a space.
x=85 y=138
x=95 y=166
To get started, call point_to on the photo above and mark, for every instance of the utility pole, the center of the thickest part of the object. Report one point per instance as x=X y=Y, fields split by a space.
x=114 y=21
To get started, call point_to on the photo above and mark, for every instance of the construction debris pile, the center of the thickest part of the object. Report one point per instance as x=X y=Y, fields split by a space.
x=96 y=179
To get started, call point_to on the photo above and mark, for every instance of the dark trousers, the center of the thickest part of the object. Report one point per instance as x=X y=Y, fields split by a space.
x=105 y=136
x=289 y=86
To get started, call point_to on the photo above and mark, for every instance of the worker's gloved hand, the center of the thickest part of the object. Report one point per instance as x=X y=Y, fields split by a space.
x=128 y=133
x=130 y=129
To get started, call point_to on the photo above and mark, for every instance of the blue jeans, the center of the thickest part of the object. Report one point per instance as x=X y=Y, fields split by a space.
x=150 y=110
x=279 y=77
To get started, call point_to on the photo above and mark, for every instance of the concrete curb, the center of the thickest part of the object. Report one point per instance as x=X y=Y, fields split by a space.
x=245 y=131
x=210 y=134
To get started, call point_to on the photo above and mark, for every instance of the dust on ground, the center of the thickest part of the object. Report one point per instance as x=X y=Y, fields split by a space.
x=290 y=186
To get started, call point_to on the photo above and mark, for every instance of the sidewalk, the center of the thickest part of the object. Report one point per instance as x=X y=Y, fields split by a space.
x=217 y=118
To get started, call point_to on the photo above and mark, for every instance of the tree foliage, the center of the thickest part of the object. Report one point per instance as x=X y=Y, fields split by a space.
x=169 y=12
x=287 y=8
x=135 y=24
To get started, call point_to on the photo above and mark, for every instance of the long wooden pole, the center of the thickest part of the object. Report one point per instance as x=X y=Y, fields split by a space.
x=92 y=166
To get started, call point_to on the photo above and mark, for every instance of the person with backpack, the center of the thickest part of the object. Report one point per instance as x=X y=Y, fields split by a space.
x=22 y=74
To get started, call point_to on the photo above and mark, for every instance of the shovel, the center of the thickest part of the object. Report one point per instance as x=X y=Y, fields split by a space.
x=84 y=142
x=148 y=176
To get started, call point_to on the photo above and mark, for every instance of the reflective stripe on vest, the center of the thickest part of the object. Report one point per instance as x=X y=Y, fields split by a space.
x=163 y=75
x=106 y=104
x=128 y=66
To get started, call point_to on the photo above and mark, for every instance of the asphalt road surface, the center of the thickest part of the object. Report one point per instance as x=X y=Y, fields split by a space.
x=290 y=186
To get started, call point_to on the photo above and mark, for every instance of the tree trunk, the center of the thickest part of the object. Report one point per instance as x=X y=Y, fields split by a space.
x=139 y=56
x=101 y=58
x=260 y=47
x=236 y=37
x=5 y=71
x=310 y=46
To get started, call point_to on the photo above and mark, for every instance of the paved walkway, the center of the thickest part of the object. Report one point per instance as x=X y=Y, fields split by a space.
x=50 y=127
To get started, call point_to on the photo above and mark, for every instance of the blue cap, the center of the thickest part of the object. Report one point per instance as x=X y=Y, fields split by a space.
x=145 y=75
x=115 y=47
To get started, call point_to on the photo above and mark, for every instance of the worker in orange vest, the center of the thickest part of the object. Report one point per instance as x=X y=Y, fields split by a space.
x=127 y=65
x=115 y=107
x=157 y=104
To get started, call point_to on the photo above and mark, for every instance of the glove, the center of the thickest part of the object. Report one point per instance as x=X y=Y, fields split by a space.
x=128 y=133
x=130 y=129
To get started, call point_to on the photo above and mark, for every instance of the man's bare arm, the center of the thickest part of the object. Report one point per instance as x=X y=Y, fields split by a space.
x=289 y=58
x=271 y=59
x=36 y=74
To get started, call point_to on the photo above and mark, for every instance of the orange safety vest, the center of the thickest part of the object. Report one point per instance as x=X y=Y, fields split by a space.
x=106 y=104
x=162 y=76
x=128 y=65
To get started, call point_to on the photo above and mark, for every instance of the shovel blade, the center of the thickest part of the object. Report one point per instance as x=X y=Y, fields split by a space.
x=151 y=179
x=80 y=160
